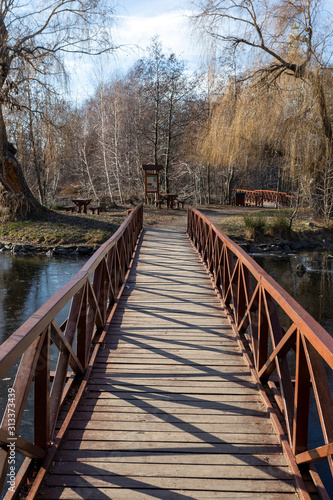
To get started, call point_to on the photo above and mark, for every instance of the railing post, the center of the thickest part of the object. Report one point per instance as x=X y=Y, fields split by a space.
x=261 y=341
x=42 y=393
x=302 y=399
x=82 y=333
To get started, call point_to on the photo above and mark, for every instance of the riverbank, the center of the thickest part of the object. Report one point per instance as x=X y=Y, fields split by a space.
x=274 y=236
x=63 y=233
x=59 y=233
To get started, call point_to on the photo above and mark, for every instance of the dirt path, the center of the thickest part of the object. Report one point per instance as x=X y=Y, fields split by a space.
x=177 y=219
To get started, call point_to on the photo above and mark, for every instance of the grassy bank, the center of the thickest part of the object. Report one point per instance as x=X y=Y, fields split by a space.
x=58 y=228
x=240 y=223
x=266 y=224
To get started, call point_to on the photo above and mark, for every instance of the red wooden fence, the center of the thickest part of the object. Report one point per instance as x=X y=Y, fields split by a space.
x=90 y=295
x=290 y=354
x=259 y=196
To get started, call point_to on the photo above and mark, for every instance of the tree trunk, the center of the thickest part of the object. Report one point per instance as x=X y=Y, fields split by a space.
x=16 y=199
x=208 y=185
x=229 y=181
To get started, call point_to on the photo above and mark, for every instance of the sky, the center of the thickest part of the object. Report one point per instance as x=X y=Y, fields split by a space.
x=140 y=20
x=137 y=21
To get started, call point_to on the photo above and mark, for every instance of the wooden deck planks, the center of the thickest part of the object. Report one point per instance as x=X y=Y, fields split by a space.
x=170 y=411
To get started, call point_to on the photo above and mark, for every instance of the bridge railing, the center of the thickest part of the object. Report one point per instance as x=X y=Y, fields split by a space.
x=258 y=196
x=290 y=353
x=86 y=300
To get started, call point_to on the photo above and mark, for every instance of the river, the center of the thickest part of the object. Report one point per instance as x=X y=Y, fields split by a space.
x=27 y=282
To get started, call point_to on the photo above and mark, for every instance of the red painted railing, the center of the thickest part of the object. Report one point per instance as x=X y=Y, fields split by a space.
x=259 y=196
x=291 y=355
x=90 y=295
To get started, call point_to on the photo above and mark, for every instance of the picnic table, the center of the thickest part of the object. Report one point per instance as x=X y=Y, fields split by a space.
x=81 y=203
x=170 y=199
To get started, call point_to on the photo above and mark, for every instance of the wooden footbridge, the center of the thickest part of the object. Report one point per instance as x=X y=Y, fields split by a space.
x=258 y=197
x=182 y=371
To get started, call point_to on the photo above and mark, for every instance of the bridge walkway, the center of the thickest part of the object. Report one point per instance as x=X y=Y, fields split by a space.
x=171 y=411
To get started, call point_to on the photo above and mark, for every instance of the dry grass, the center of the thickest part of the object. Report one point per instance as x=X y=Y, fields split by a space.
x=59 y=228
x=231 y=221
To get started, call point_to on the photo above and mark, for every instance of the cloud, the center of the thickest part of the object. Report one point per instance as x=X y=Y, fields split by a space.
x=136 y=32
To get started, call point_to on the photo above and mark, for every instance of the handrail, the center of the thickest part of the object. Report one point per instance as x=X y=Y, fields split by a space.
x=283 y=340
x=256 y=197
x=90 y=295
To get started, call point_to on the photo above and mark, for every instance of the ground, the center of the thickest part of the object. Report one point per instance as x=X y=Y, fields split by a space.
x=63 y=228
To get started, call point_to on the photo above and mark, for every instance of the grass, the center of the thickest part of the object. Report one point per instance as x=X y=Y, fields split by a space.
x=57 y=228
x=255 y=226
x=280 y=225
x=231 y=221
x=64 y=228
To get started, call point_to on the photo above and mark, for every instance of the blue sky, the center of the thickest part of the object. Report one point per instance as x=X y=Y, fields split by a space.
x=137 y=22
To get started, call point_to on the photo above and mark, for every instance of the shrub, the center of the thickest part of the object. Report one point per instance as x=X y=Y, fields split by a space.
x=255 y=226
x=280 y=226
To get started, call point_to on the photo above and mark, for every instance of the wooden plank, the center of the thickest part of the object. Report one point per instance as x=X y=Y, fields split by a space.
x=78 y=493
x=157 y=447
x=154 y=398
x=186 y=405
x=217 y=418
x=170 y=364
x=191 y=354
x=236 y=485
x=198 y=391
x=168 y=458
x=242 y=428
x=172 y=471
x=214 y=383
x=170 y=437
x=171 y=408
x=173 y=369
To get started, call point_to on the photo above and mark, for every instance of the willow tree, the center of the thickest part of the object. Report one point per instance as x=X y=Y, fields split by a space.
x=286 y=37
x=35 y=40
x=277 y=40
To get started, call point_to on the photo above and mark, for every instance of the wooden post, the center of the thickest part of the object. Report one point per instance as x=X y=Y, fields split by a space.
x=42 y=394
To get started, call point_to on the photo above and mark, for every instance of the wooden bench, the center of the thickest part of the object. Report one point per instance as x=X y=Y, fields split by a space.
x=180 y=202
x=70 y=208
x=159 y=203
x=95 y=209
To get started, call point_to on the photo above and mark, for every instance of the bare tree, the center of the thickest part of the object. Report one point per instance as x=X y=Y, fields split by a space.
x=164 y=92
x=34 y=38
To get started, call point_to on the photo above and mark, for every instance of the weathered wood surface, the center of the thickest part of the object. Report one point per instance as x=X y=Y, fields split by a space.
x=171 y=411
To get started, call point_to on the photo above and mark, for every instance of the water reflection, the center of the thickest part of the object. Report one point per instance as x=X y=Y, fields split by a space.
x=313 y=289
x=27 y=282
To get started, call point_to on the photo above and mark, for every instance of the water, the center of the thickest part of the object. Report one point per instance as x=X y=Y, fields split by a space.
x=26 y=283
x=313 y=289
